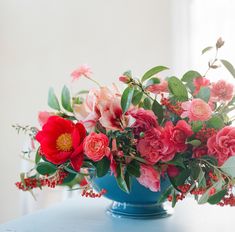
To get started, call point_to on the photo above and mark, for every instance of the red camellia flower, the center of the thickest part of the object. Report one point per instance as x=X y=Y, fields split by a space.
x=62 y=140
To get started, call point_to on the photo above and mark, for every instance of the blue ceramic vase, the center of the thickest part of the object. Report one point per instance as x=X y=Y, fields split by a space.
x=140 y=203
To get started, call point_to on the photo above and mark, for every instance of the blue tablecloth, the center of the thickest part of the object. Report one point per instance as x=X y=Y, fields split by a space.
x=89 y=215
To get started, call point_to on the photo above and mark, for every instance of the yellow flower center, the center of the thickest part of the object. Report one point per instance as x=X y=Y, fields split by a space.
x=64 y=142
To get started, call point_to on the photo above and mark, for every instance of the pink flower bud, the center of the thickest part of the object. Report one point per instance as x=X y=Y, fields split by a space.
x=124 y=79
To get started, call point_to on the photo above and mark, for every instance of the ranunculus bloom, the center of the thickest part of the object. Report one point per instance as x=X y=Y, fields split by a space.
x=162 y=87
x=177 y=135
x=198 y=152
x=61 y=140
x=200 y=82
x=102 y=105
x=222 y=145
x=144 y=120
x=149 y=178
x=43 y=117
x=153 y=147
x=83 y=70
x=96 y=146
x=222 y=91
x=196 y=110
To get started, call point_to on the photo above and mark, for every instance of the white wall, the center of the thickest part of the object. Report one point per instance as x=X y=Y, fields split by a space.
x=42 y=41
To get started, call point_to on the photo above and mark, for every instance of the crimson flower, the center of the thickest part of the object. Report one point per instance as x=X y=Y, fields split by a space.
x=61 y=140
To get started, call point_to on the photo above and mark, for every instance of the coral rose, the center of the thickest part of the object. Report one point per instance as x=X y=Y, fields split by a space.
x=222 y=91
x=152 y=147
x=150 y=178
x=61 y=140
x=96 y=146
x=222 y=145
x=196 y=110
x=144 y=120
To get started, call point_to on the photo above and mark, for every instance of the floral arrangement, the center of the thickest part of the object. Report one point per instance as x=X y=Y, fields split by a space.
x=174 y=127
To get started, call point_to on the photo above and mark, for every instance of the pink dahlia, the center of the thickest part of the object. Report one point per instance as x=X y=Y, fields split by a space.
x=222 y=91
x=150 y=178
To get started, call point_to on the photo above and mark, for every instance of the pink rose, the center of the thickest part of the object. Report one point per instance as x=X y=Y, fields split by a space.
x=222 y=145
x=149 y=178
x=200 y=82
x=96 y=146
x=162 y=87
x=177 y=135
x=144 y=120
x=196 y=110
x=83 y=70
x=152 y=147
x=43 y=117
x=222 y=91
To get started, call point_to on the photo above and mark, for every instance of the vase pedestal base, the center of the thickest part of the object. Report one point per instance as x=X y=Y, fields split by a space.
x=134 y=211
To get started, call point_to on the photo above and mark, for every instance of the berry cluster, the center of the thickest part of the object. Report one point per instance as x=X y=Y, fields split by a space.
x=227 y=200
x=90 y=193
x=205 y=133
x=174 y=108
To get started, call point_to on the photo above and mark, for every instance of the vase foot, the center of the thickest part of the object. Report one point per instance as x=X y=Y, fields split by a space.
x=147 y=211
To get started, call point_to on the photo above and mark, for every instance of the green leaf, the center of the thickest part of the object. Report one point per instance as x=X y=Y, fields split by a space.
x=197 y=126
x=195 y=171
x=152 y=72
x=165 y=194
x=128 y=73
x=70 y=170
x=182 y=177
x=217 y=197
x=121 y=179
x=229 y=166
x=215 y=122
x=44 y=168
x=37 y=156
x=178 y=89
x=204 y=94
x=126 y=98
x=137 y=96
x=102 y=167
x=66 y=100
x=69 y=178
x=174 y=199
x=133 y=168
x=52 y=100
x=201 y=179
x=190 y=75
x=152 y=81
x=147 y=104
x=195 y=142
x=128 y=181
x=206 y=49
x=158 y=111
x=229 y=67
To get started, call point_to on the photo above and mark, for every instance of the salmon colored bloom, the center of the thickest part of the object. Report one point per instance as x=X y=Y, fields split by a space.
x=96 y=146
x=61 y=140
x=196 y=110
x=83 y=70
x=150 y=178
x=222 y=91
x=162 y=87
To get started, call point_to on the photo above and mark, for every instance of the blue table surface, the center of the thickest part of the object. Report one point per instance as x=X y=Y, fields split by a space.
x=81 y=214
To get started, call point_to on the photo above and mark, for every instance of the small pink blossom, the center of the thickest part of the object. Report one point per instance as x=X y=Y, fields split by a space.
x=222 y=91
x=162 y=87
x=149 y=178
x=196 y=110
x=152 y=147
x=96 y=146
x=222 y=145
x=200 y=82
x=144 y=120
x=83 y=70
x=43 y=117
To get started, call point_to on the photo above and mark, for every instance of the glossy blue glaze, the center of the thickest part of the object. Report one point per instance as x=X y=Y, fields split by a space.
x=139 y=203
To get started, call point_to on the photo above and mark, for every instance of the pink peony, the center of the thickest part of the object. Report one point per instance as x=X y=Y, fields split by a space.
x=149 y=178
x=222 y=145
x=43 y=116
x=177 y=135
x=200 y=82
x=222 y=91
x=83 y=70
x=162 y=87
x=144 y=120
x=153 y=147
x=96 y=146
x=196 y=110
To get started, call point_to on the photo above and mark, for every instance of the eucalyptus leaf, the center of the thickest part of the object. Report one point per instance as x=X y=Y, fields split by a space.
x=229 y=166
x=206 y=49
